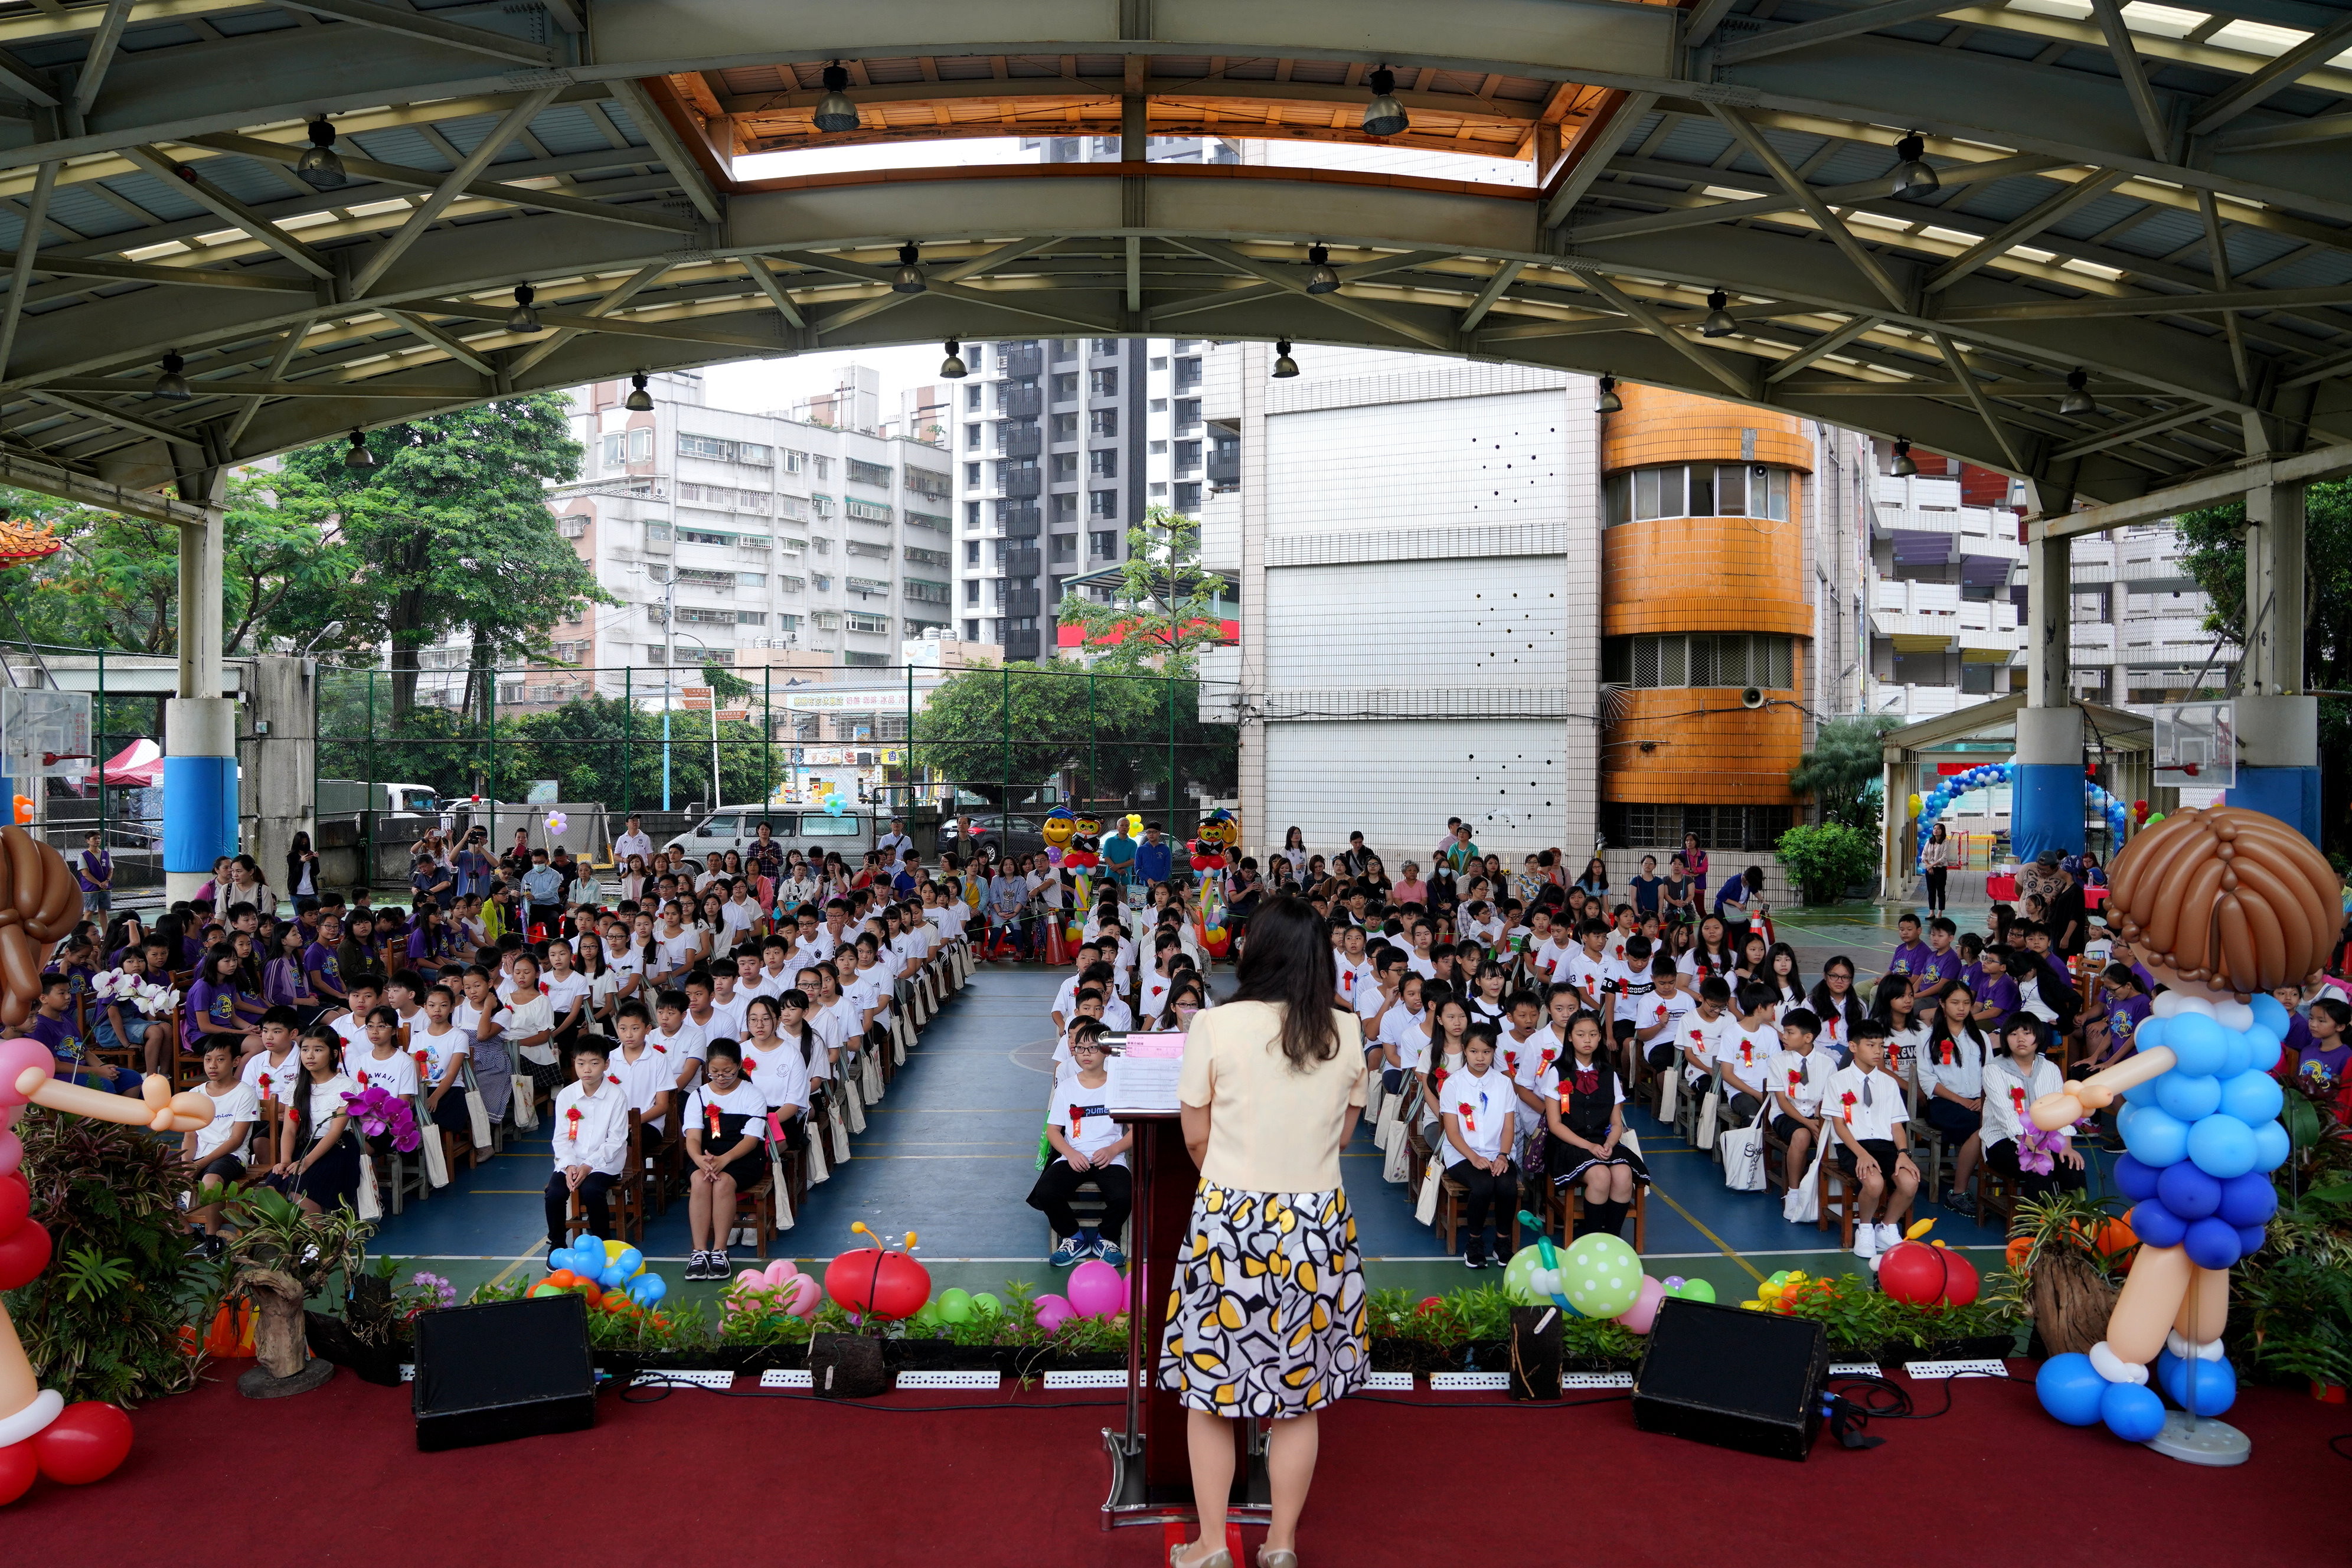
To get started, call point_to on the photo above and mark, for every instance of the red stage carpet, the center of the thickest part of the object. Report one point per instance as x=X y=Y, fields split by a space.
x=217 y=1481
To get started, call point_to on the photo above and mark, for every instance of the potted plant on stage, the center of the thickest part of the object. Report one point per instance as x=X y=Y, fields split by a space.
x=284 y=1255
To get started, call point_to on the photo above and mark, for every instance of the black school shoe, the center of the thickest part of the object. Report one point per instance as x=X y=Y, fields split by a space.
x=1474 y=1259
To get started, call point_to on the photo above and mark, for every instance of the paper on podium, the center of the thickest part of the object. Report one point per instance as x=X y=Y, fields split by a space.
x=1143 y=1076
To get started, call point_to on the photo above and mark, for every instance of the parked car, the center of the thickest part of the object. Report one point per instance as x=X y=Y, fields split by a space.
x=850 y=835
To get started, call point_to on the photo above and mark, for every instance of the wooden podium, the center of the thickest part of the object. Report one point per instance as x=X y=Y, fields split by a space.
x=1150 y=1465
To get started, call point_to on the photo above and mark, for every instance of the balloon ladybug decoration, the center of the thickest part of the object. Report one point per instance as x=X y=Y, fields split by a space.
x=2222 y=904
x=40 y=1434
x=876 y=1283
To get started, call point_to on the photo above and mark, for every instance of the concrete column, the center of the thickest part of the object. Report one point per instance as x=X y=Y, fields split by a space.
x=285 y=762
x=1256 y=831
x=2046 y=785
x=200 y=802
x=2278 y=726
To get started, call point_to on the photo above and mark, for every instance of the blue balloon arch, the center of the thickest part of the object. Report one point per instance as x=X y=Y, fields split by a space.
x=1985 y=775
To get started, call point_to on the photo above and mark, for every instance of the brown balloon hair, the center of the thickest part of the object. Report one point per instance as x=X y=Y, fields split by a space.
x=41 y=901
x=2227 y=897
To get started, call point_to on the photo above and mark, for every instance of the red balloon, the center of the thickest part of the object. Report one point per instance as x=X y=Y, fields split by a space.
x=1927 y=1276
x=17 y=1470
x=23 y=1254
x=86 y=1443
x=1960 y=1279
x=15 y=1203
x=886 y=1285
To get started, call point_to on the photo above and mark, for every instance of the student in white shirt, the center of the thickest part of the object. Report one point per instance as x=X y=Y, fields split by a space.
x=1587 y=965
x=1897 y=1010
x=726 y=1123
x=1089 y=953
x=530 y=1023
x=1865 y=1110
x=1090 y=1150
x=642 y=1069
x=1700 y=1034
x=2013 y=1079
x=1951 y=1070
x=568 y=992
x=442 y=1050
x=1584 y=1111
x=1089 y=1008
x=590 y=1131
x=1747 y=1056
x=215 y=1151
x=1627 y=974
x=382 y=1063
x=1658 y=1020
x=350 y=1027
x=1799 y=1078
x=680 y=1041
x=1398 y=1022
x=270 y=1071
x=317 y=1160
x=1478 y=1113
x=1488 y=1001
x=1523 y=1049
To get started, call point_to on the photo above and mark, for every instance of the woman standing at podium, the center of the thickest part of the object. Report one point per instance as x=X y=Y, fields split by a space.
x=1266 y=1319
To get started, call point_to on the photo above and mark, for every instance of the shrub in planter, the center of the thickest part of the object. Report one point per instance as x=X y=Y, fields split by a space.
x=1824 y=861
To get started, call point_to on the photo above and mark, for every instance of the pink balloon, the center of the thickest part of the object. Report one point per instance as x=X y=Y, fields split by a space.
x=751 y=1279
x=16 y=1056
x=1053 y=1311
x=12 y=1151
x=1097 y=1290
x=1644 y=1310
x=803 y=1296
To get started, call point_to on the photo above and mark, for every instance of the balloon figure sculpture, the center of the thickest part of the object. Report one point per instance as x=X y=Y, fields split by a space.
x=1058 y=828
x=1085 y=850
x=1925 y=809
x=40 y=901
x=2222 y=904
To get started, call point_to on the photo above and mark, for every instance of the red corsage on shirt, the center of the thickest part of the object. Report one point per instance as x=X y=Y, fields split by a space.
x=572 y=1121
x=1847 y=1100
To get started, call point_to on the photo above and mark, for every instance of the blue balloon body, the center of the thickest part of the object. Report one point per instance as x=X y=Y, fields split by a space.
x=2197 y=1044
x=2135 y=1177
x=2212 y=1243
x=2131 y=1411
x=2213 y=1390
x=2250 y=1240
x=2158 y=1225
x=2223 y=1147
x=647 y=1288
x=629 y=1262
x=2262 y=1047
x=2272 y=1146
x=2253 y=1097
x=2237 y=1055
x=2158 y=1137
x=2138 y=1094
x=2149 y=1034
x=2269 y=1015
x=2188 y=1191
x=611 y=1279
x=2188 y=1097
x=2069 y=1388
x=2248 y=1200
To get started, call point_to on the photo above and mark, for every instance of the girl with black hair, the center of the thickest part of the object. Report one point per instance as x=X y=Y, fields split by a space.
x=1584 y=1113
x=1835 y=1002
x=1953 y=1073
x=1485 y=1002
x=2017 y=1076
x=725 y=1123
x=1713 y=953
x=1782 y=977
x=1897 y=1010
x=1478 y=1114
x=318 y=1163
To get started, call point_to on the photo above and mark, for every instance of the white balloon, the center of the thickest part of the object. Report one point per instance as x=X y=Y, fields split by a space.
x=2167 y=1003
x=2235 y=1017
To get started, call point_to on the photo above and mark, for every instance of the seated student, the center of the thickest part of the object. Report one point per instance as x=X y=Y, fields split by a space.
x=1628 y=975
x=1090 y=1006
x=1799 y=1076
x=271 y=1069
x=52 y=1024
x=1584 y=1113
x=1873 y=1135
x=1165 y=948
x=1090 y=1150
x=403 y=993
x=2043 y=988
x=351 y=1029
x=1994 y=992
x=726 y=1123
x=590 y=1132
x=2123 y=1006
x=380 y=1063
x=121 y=1025
x=2016 y=1075
x=1745 y=1056
x=1478 y=1113
x=1698 y=1037
x=644 y=1070
x=1658 y=1023
x=2324 y=1063
x=1941 y=966
x=318 y=1163
x=216 y=1152
x=1953 y=1073
x=1911 y=954
x=785 y=1057
x=529 y=1024
x=212 y=1004
x=441 y=1050
x=1897 y=1011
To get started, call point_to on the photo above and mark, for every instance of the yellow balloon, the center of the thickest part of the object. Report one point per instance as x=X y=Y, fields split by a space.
x=1916 y=803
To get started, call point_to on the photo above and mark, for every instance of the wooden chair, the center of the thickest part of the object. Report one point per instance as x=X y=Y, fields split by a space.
x=1995 y=1192
x=756 y=1206
x=1560 y=1209
x=625 y=1202
x=1842 y=1195
x=1928 y=1151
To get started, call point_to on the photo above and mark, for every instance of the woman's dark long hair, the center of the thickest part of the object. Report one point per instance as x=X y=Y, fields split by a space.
x=1288 y=965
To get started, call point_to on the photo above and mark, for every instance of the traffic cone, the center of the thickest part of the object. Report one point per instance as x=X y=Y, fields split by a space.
x=1056 y=951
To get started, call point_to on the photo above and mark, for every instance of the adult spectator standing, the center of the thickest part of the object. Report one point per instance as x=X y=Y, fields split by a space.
x=2069 y=919
x=1354 y=858
x=95 y=867
x=1271 y=1086
x=543 y=886
x=1152 y=859
x=895 y=845
x=634 y=840
x=1118 y=853
x=1737 y=901
x=1935 y=864
x=1458 y=853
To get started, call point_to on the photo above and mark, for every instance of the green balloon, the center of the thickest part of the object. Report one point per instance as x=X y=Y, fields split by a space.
x=1695 y=1291
x=927 y=1315
x=955 y=1307
x=1518 y=1278
x=987 y=1306
x=1600 y=1275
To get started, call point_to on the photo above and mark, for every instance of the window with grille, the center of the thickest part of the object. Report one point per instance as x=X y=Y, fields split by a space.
x=572 y=527
x=657 y=534
x=860 y=547
x=864 y=473
x=923 y=557
x=927 y=520
x=859 y=510
x=858 y=621
x=928 y=482
x=870 y=587
x=704 y=536
x=750 y=618
x=1696 y=489
x=922 y=591
x=1637 y=825
x=1701 y=658
x=792 y=584
x=696 y=615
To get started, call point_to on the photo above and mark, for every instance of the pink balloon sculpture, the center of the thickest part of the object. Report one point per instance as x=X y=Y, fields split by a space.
x=1097 y=1290
x=777 y=1285
x=1644 y=1310
x=1053 y=1311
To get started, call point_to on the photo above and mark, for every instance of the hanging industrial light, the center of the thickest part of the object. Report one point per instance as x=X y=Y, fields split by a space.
x=1384 y=116
x=909 y=277
x=639 y=400
x=1320 y=279
x=359 y=457
x=952 y=367
x=1285 y=367
x=1911 y=175
x=834 y=110
x=2076 y=400
x=172 y=383
x=1718 y=322
x=522 y=318
x=1609 y=402
x=318 y=167
x=1904 y=467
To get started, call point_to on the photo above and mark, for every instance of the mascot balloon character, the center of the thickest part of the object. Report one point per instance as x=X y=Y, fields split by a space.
x=1059 y=828
x=2222 y=904
x=1085 y=850
x=40 y=901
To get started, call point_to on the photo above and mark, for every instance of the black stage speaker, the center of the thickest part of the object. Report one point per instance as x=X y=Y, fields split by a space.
x=1737 y=1379
x=501 y=1370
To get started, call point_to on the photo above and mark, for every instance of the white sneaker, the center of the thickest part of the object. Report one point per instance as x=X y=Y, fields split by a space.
x=1889 y=1236
x=1865 y=1243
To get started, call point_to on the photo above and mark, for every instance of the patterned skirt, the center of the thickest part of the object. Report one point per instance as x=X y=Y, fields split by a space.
x=1267 y=1314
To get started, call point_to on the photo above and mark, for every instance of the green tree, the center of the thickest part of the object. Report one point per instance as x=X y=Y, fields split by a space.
x=1166 y=607
x=448 y=532
x=1106 y=733
x=1843 y=771
x=2216 y=558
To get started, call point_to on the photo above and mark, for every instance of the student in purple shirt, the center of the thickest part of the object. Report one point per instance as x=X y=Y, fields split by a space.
x=2325 y=1054
x=212 y=1005
x=2127 y=1004
x=52 y=1024
x=1941 y=966
x=318 y=961
x=1995 y=992
x=1910 y=954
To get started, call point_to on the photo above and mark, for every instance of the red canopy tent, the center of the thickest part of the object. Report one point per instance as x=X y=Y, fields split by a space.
x=138 y=765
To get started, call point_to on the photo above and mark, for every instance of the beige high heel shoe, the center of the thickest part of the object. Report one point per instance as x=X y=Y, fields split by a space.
x=1220 y=1558
x=1276 y=1557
